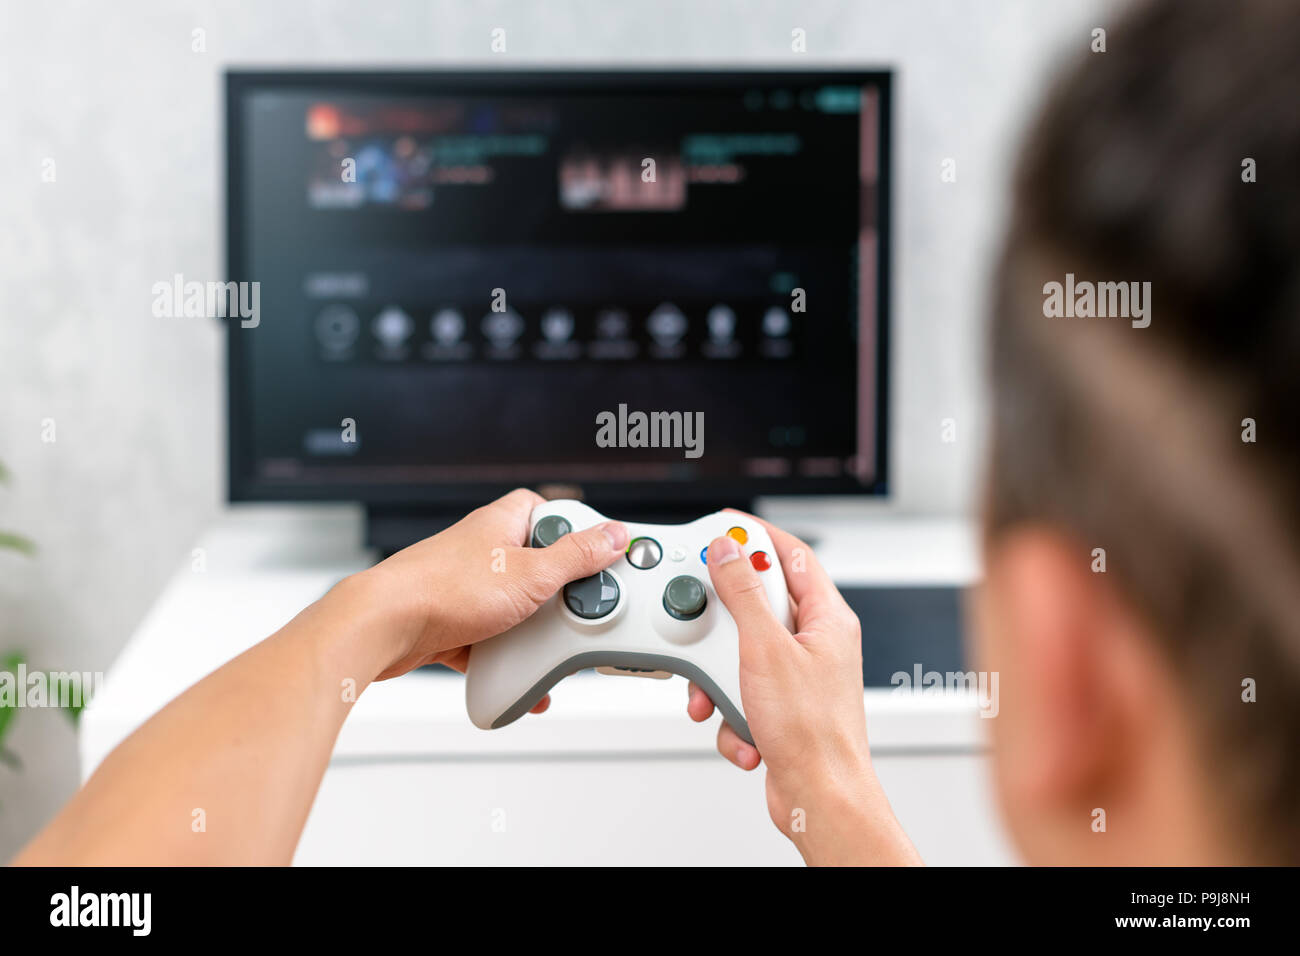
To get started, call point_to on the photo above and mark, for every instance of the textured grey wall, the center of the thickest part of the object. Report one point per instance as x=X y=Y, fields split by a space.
x=130 y=115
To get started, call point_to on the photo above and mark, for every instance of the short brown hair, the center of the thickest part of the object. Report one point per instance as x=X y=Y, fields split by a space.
x=1134 y=440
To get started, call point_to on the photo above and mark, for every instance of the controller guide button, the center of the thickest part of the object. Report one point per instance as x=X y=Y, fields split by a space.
x=740 y=535
x=685 y=597
x=549 y=530
x=644 y=553
x=592 y=598
x=760 y=560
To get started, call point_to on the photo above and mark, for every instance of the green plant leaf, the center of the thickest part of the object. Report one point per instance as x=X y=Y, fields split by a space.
x=73 y=711
x=16 y=542
x=7 y=713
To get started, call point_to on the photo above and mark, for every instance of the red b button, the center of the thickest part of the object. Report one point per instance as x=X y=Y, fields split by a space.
x=760 y=560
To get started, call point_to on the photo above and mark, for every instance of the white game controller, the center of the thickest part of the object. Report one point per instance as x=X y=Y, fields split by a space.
x=653 y=613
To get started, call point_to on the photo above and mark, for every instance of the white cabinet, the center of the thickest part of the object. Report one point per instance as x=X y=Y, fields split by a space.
x=613 y=773
x=609 y=810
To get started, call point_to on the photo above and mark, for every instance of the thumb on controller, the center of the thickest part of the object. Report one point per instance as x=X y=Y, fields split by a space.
x=578 y=554
x=742 y=591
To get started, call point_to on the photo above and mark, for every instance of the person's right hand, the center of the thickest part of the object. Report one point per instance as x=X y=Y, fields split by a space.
x=802 y=697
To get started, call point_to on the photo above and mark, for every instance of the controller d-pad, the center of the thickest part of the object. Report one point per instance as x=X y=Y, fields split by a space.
x=685 y=597
x=594 y=597
x=549 y=530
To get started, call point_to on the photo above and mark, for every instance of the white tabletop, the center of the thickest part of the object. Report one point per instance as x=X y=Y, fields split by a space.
x=261 y=564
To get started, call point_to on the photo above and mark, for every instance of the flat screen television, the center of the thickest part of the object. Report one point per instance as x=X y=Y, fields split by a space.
x=658 y=291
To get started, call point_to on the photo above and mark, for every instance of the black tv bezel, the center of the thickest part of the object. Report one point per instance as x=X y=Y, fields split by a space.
x=243 y=486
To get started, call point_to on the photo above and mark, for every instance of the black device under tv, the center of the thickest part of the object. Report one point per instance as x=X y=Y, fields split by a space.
x=471 y=268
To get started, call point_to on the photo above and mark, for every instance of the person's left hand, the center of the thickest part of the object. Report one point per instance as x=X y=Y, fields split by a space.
x=477 y=579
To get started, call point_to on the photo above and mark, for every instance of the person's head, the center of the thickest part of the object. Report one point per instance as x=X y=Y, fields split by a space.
x=1141 y=600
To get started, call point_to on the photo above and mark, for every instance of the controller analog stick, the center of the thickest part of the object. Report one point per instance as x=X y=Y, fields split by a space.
x=549 y=530
x=685 y=597
x=594 y=597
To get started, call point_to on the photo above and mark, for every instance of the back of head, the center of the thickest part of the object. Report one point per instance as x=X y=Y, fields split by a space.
x=1146 y=363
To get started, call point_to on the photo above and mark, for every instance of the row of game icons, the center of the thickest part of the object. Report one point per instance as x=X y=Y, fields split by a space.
x=666 y=328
